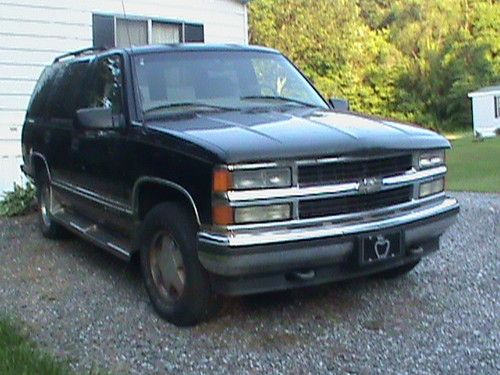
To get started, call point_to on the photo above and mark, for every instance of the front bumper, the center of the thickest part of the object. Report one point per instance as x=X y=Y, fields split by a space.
x=250 y=262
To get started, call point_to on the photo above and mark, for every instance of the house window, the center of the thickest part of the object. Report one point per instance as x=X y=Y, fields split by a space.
x=131 y=33
x=194 y=33
x=165 y=33
x=497 y=106
x=117 y=31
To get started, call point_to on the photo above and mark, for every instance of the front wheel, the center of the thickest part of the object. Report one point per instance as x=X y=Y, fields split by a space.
x=177 y=284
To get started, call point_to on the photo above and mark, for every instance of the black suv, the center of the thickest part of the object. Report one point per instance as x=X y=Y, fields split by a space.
x=228 y=173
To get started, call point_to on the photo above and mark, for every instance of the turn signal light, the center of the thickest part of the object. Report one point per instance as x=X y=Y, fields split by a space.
x=222 y=180
x=223 y=215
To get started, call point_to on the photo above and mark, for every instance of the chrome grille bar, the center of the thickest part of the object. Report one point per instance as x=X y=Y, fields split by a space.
x=316 y=192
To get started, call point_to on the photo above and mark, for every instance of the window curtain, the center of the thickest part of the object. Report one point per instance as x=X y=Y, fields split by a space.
x=137 y=31
x=165 y=33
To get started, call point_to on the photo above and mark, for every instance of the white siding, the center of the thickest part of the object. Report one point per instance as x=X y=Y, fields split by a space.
x=33 y=32
x=483 y=111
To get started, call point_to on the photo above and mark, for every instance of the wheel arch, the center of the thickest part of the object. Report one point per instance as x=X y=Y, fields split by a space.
x=162 y=190
x=38 y=161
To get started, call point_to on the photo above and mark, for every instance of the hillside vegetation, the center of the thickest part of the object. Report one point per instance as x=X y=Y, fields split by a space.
x=413 y=60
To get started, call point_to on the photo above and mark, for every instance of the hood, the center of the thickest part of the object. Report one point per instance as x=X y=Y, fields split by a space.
x=248 y=136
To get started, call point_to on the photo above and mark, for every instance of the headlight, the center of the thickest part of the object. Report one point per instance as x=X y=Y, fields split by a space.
x=225 y=215
x=268 y=178
x=429 y=159
x=432 y=187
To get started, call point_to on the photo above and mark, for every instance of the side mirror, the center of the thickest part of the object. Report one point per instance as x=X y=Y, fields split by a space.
x=95 y=118
x=341 y=105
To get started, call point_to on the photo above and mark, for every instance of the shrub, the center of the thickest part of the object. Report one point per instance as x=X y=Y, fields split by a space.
x=19 y=201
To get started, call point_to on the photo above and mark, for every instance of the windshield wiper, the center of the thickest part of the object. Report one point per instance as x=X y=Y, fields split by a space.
x=281 y=98
x=188 y=104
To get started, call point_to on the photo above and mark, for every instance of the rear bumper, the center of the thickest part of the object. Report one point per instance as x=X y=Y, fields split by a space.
x=245 y=263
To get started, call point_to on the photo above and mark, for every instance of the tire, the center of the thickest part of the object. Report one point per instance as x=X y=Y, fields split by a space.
x=176 y=282
x=398 y=271
x=50 y=229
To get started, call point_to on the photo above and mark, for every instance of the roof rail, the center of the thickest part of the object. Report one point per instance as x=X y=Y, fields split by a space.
x=77 y=53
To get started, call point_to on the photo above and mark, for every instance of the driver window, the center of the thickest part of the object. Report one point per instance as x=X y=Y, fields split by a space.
x=107 y=87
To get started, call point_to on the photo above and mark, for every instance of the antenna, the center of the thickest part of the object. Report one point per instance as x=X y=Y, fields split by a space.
x=126 y=24
x=132 y=48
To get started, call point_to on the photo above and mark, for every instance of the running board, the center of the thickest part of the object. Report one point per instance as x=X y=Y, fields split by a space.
x=92 y=232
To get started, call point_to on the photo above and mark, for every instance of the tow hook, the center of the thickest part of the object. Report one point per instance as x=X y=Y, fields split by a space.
x=416 y=250
x=301 y=275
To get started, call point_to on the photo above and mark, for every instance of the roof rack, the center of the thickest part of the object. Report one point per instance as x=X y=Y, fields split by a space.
x=78 y=53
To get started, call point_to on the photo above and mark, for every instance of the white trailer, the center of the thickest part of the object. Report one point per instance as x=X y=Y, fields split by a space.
x=486 y=111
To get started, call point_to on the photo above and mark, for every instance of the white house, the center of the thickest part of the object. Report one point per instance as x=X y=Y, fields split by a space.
x=34 y=32
x=486 y=111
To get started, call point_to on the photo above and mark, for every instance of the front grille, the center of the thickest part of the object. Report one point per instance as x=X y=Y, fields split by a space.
x=353 y=203
x=352 y=171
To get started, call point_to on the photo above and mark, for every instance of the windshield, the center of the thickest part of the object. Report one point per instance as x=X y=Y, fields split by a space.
x=221 y=80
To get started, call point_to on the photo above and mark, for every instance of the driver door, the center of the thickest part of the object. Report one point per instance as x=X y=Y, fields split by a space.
x=100 y=151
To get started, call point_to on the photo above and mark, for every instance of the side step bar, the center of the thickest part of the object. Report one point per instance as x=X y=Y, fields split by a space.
x=92 y=232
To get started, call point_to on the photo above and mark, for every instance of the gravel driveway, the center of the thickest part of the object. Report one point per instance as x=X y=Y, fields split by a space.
x=83 y=304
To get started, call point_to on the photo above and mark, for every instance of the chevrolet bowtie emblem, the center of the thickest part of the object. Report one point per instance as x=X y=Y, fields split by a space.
x=370 y=185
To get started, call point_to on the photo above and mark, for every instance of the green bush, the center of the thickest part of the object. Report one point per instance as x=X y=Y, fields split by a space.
x=19 y=201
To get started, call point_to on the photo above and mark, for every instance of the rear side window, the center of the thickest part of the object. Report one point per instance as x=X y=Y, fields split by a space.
x=66 y=93
x=41 y=92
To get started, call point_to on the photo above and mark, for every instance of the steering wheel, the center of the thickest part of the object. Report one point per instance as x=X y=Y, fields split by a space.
x=268 y=90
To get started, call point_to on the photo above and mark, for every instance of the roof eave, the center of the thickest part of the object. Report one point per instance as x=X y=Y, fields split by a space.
x=483 y=93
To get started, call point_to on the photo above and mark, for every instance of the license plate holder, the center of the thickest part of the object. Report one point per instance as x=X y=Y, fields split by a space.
x=380 y=247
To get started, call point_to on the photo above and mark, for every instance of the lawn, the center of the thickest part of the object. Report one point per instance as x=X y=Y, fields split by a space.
x=474 y=165
x=19 y=356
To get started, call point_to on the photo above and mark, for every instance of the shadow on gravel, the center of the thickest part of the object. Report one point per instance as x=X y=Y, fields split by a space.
x=331 y=301
x=342 y=296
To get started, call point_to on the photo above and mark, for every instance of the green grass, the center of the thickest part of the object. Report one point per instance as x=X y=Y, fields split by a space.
x=473 y=165
x=19 y=356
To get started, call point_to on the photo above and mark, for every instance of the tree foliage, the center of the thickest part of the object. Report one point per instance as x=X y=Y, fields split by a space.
x=414 y=60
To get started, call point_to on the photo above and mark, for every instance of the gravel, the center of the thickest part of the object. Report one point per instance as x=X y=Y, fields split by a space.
x=84 y=305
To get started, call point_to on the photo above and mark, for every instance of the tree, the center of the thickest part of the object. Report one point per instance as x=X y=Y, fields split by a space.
x=414 y=60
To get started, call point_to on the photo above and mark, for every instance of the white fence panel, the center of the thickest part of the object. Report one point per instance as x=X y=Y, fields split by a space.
x=10 y=167
x=44 y=28
x=12 y=71
x=15 y=86
x=34 y=56
x=14 y=102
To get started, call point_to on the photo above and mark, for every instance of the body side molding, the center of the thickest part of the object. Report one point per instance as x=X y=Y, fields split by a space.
x=93 y=196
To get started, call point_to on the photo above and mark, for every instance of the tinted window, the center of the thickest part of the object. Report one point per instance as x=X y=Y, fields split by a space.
x=228 y=79
x=41 y=91
x=65 y=95
x=106 y=89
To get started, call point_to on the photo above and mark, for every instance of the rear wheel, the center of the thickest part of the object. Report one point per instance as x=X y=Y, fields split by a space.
x=398 y=271
x=177 y=284
x=48 y=226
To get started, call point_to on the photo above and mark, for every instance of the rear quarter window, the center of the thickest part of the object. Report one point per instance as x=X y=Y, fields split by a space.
x=41 y=92
x=66 y=91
